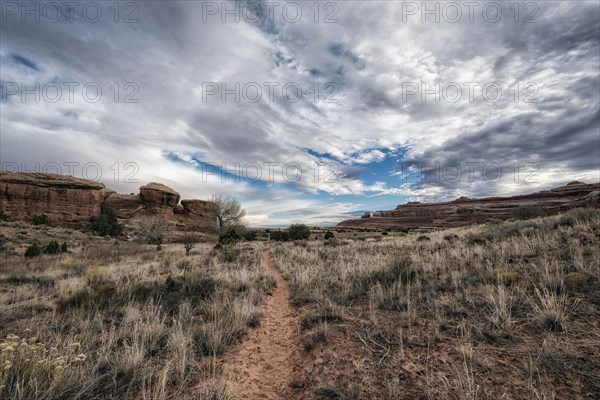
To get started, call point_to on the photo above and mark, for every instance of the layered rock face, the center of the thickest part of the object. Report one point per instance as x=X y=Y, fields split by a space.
x=196 y=215
x=465 y=211
x=64 y=199
x=157 y=195
x=71 y=202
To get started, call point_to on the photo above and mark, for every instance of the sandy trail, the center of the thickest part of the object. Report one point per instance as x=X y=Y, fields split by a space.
x=261 y=366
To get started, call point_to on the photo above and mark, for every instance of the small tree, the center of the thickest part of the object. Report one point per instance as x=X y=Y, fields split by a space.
x=298 y=232
x=52 y=248
x=33 y=250
x=41 y=219
x=228 y=212
x=329 y=235
x=63 y=248
x=189 y=242
x=250 y=235
x=232 y=236
x=280 y=236
x=151 y=230
x=106 y=224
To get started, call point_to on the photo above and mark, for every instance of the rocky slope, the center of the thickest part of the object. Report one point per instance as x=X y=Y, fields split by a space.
x=465 y=211
x=71 y=201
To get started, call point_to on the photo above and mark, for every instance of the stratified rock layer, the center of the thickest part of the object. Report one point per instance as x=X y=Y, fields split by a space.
x=69 y=201
x=64 y=199
x=465 y=211
x=158 y=195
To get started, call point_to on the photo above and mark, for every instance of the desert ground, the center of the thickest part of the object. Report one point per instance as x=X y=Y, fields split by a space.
x=502 y=310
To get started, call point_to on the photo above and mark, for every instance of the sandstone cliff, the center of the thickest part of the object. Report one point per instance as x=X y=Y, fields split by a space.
x=465 y=211
x=71 y=201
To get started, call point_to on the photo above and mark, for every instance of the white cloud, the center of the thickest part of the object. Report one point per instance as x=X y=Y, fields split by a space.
x=369 y=54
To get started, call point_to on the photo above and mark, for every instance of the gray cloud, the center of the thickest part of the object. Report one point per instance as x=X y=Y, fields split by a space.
x=369 y=54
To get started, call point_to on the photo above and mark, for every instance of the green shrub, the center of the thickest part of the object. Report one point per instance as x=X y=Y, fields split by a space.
x=298 y=232
x=41 y=220
x=226 y=253
x=329 y=235
x=52 y=248
x=63 y=248
x=527 y=212
x=250 y=236
x=3 y=244
x=578 y=215
x=3 y=216
x=280 y=236
x=475 y=239
x=33 y=250
x=106 y=224
x=334 y=242
x=450 y=237
x=230 y=236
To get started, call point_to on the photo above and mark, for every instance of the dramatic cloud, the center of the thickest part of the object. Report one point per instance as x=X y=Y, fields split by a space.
x=248 y=98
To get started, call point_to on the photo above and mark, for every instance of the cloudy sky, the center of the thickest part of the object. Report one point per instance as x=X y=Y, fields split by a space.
x=305 y=112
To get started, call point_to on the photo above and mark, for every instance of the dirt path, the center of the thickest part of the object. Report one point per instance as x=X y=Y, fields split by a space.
x=262 y=365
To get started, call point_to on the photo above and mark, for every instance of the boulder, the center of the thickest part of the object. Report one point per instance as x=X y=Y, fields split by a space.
x=199 y=207
x=158 y=195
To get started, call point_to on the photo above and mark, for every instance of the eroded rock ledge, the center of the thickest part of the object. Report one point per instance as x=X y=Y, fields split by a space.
x=71 y=201
x=464 y=211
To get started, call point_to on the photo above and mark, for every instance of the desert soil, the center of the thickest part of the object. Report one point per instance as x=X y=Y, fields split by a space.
x=262 y=365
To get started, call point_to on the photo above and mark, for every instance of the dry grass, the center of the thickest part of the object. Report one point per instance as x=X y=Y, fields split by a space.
x=458 y=312
x=123 y=321
x=500 y=310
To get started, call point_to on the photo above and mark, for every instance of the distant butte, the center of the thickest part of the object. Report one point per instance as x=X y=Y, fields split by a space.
x=464 y=211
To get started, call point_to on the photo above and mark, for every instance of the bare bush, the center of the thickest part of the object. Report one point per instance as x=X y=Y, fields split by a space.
x=151 y=230
x=189 y=241
x=228 y=212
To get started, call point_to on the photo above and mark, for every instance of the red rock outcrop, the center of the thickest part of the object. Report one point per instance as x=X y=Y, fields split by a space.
x=196 y=214
x=157 y=195
x=464 y=211
x=66 y=200
x=125 y=206
x=71 y=202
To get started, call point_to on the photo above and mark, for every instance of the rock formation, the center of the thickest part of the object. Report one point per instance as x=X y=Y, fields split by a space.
x=71 y=202
x=465 y=211
x=64 y=199
x=157 y=195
